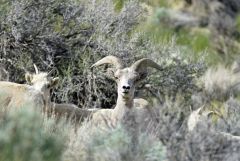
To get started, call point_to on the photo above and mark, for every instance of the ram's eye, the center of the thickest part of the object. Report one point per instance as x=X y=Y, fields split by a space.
x=137 y=79
x=48 y=85
x=116 y=77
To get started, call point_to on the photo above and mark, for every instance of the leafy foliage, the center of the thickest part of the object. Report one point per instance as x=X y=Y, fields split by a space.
x=113 y=144
x=72 y=35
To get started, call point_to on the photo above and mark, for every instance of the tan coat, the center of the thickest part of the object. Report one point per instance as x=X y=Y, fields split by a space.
x=13 y=95
x=69 y=111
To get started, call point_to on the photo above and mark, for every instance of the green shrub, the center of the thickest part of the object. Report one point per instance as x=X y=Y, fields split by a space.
x=97 y=144
x=23 y=137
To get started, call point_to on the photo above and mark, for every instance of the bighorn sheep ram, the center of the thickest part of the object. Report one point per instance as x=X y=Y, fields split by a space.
x=69 y=111
x=126 y=78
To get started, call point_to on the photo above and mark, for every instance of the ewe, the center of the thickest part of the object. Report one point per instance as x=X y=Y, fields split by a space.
x=197 y=116
x=42 y=82
x=220 y=84
x=69 y=111
x=126 y=78
x=18 y=95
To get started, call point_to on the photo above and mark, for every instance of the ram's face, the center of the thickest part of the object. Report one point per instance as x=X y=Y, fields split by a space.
x=126 y=79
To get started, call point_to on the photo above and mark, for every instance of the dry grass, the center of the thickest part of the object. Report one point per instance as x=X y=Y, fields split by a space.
x=220 y=82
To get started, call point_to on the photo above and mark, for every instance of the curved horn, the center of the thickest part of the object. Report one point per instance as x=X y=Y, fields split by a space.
x=109 y=60
x=51 y=72
x=143 y=63
x=36 y=69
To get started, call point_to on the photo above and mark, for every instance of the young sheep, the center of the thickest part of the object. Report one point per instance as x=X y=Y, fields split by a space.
x=197 y=116
x=42 y=82
x=126 y=78
x=70 y=111
x=13 y=95
x=219 y=83
x=201 y=115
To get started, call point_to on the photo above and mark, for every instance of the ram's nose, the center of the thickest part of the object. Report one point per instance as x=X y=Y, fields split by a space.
x=126 y=87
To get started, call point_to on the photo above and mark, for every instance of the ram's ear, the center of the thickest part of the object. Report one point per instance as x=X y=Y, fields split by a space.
x=54 y=82
x=28 y=78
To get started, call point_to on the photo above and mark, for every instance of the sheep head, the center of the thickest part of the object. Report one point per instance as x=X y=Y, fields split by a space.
x=42 y=81
x=127 y=78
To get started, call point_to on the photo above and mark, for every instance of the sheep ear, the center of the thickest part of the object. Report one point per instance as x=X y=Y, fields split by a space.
x=54 y=82
x=28 y=78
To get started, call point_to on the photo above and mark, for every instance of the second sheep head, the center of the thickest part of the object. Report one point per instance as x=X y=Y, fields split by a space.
x=127 y=77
